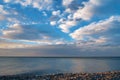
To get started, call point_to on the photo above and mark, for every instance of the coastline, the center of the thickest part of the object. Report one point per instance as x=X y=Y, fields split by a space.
x=110 y=75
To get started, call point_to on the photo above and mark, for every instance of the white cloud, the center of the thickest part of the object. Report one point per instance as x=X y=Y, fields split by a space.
x=95 y=8
x=68 y=10
x=66 y=25
x=26 y=36
x=66 y=2
x=2 y=10
x=6 y=1
x=39 y=4
x=84 y=14
x=15 y=28
x=88 y=10
x=8 y=14
x=43 y=4
x=56 y=13
x=53 y=23
x=104 y=32
x=22 y=2
x=44 y=13
x=31 y=34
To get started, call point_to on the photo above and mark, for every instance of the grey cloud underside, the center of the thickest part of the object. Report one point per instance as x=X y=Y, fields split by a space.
x=75 y=4
x=31 y=32
x=59 y=51
x=102 y=33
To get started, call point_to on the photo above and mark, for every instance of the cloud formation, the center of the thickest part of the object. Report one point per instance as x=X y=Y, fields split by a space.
x=29 y=32
x=105 y=32
x=9 y=44
x=66 y=3
x=39 y=4
x=74 y=26
x=88 y=10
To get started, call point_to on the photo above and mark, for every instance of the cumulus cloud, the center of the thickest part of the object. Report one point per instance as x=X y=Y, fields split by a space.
x=88 y=10
x=10 y=15
x=42 y=4
x=66 y=3
x=95 y=8
x=86 y=23
x=73 y=5
x=30 y=36
x=2 y=10
x=105 y=32
x=66 y=25
x=53 y=23
x=56 y=12
x=29 y=32
x=39 y=4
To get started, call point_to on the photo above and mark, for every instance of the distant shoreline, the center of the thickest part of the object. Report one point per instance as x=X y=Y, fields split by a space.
x=110 y=75
x=59 y=57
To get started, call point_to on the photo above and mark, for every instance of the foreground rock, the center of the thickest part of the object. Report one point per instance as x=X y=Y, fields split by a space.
x=67 y=76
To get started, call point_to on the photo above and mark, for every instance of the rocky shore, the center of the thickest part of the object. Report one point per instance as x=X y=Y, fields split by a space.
x=111 y=75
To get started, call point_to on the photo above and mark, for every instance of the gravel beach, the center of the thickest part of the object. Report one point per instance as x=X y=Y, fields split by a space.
x=111 y=75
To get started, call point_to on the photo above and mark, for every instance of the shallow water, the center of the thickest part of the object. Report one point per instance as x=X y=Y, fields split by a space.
x=12 y=66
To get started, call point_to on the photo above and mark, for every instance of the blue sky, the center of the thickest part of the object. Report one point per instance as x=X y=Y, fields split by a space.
x=59 y=27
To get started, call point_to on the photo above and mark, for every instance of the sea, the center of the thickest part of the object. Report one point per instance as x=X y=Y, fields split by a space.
x=49 y=65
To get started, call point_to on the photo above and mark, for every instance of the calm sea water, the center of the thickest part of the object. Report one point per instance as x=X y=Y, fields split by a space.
x=12 y=66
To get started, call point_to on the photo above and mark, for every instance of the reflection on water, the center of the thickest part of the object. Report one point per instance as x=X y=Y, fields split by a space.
x=10 y=66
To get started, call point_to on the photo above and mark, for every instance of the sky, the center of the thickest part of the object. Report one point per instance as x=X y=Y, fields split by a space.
x=60 y=28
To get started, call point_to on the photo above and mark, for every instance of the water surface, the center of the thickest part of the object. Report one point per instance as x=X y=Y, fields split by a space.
x=12 y=66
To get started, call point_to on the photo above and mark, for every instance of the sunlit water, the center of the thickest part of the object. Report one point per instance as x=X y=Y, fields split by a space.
x=12 y=66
